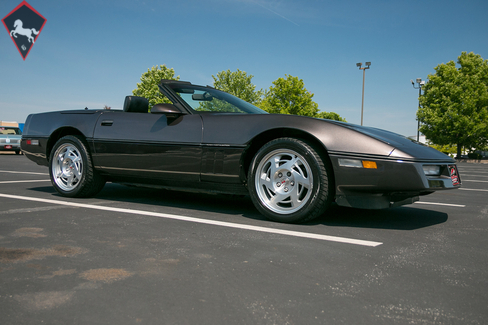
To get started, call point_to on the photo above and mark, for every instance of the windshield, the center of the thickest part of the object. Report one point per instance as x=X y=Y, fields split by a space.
x=203 y=99
x=7 y=130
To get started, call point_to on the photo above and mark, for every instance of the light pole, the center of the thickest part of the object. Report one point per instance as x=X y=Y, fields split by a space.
x=366 y=66
x=420 y=83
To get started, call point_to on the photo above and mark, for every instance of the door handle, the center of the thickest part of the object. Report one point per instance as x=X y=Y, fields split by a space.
x=107 y=122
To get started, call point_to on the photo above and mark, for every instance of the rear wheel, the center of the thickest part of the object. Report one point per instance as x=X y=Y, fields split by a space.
x=289 y=181
x=71 y=169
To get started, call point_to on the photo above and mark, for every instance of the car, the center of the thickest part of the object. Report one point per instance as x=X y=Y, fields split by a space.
x=203 y=139
x=10 y=139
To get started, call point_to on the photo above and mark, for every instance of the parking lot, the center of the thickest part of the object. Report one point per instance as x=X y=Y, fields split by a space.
x=147 y=256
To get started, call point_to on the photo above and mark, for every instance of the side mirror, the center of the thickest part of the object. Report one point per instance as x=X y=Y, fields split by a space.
x=170 y=110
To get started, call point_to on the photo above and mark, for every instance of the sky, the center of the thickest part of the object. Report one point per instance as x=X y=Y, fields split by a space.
x=92 y=53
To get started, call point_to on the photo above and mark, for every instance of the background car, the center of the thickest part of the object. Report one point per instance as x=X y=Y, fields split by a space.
x=10 y=137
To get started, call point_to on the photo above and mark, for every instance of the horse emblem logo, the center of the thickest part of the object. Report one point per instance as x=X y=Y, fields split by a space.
x=19 y=29
x=24 y=24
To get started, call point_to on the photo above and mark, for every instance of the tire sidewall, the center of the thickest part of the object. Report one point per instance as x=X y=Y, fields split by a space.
x=311 y=157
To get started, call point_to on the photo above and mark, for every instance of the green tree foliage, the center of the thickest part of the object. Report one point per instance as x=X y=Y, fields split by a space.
x=238 y=83
x=454 y=106
x=331 y=116
x=286 y=96
x=148 y=87
x=289 y=96
x=448 y=149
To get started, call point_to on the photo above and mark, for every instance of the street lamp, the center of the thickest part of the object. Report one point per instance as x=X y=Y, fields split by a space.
x=420 y=84
x=366 y=66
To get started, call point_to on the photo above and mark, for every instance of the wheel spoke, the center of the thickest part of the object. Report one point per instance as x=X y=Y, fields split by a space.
x=278 y=198
x=267 y=182
x=289 y=164
x=69 y=181
x=275 y=165
x=60 y=158
x=76 y=172
x=70 y=153
x=301 y=179
x=75 y=158
x=295 y=197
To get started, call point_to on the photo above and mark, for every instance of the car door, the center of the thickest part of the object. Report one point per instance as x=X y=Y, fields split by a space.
x=138 y=146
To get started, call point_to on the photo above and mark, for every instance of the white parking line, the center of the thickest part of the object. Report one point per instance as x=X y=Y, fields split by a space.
x=443 y=204
x=203 y=221
x=27 y=181
x=472 y=189
x=468 y=180
x=14 y=172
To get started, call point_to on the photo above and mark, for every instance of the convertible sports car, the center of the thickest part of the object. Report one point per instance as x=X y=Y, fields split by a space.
x=203 y=139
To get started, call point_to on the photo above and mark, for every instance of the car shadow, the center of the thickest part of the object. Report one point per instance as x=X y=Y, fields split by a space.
x=213 y=203
x=400 y=218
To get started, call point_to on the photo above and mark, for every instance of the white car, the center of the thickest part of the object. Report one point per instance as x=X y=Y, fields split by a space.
x=10 y=137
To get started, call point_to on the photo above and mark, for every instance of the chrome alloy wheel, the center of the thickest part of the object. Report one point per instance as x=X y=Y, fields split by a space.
x=283 y=181
x=67 y=167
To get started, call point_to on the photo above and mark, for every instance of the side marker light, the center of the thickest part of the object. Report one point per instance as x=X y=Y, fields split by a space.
x=369 y=164
x=357 y=163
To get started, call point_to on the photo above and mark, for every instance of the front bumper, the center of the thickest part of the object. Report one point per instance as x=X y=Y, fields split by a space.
x=392 y=183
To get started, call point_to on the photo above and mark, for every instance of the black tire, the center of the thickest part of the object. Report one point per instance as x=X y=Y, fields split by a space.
x=289 y=181
x=71 y=169
x=17 y=152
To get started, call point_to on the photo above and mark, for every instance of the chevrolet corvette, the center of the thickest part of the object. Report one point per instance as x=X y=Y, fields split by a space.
x=202 y=139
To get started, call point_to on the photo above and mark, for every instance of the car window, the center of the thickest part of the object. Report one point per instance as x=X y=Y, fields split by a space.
x=4 y=130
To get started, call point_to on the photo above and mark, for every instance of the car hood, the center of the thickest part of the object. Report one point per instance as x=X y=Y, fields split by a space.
x=405 y=148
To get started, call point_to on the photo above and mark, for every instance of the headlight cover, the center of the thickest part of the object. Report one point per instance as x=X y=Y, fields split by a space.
x=432 y=170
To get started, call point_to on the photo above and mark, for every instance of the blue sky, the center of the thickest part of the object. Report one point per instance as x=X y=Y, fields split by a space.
x=92 y=53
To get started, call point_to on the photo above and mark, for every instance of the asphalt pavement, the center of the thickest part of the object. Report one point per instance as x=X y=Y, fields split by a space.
x=148 y=256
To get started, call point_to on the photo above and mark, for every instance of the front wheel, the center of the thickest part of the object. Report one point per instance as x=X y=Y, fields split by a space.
x=289 y=181
x=71 y=169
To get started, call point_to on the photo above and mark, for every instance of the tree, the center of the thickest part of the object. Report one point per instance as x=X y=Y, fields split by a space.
x=239 y=84
x=454 y=106
x=289 y=96
x=148 y=87
x=331 y=116
x=448 y=149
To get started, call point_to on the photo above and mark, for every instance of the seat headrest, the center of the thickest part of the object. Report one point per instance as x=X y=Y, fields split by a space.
x=136 y=104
